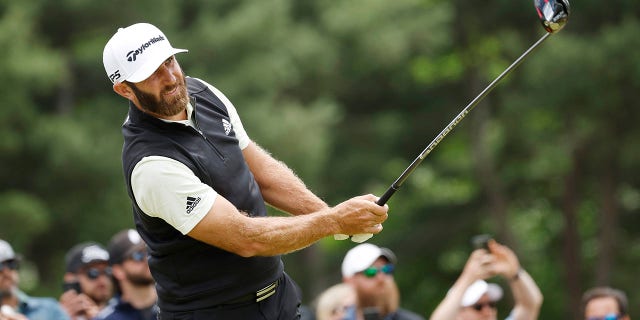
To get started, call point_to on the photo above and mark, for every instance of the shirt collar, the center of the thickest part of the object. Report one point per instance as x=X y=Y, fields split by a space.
x=189 y=121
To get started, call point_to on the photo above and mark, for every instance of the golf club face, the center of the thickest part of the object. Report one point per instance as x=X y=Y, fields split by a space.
x=552 y=13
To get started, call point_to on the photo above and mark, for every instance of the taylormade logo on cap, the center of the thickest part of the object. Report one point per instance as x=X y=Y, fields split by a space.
x=131 y=56
x=135 y=52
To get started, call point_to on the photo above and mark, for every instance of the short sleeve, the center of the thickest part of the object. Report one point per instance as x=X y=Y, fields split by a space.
x=167 y=189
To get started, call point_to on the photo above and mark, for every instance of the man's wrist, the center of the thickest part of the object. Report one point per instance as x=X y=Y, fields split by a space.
x=516 y=276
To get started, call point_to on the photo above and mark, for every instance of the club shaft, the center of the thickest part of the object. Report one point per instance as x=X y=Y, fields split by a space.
x=396 y=184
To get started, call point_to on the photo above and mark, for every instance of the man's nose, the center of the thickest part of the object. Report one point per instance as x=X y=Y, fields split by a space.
x=166 y=75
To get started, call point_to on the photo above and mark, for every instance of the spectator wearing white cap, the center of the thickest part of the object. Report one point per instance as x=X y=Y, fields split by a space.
x=88 y=282
x=369 y=269
x=136 y=294
x=472 y=298
x=15 y=304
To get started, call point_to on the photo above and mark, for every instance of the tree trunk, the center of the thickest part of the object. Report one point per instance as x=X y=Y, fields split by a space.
x=485 y=169
x=312 y=261
x=608 y=224
x=571 y=256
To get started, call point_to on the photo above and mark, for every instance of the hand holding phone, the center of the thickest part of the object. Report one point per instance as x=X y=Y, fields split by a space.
x=481 y=241
x=72 y=285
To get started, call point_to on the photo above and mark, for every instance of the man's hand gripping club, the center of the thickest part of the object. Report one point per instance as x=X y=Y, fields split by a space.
x=360 y=236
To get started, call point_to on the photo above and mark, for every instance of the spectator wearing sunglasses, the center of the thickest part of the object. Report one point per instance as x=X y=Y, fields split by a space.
x=605 y=303
x=88 y=283
x=15 y=304
x=369 y=269
x=472 y=298
x=136 y=297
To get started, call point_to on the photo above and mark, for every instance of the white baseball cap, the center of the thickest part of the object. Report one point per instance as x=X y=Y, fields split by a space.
x=6 y=252
x=477 y=289
x=84 y=254
x=135 y=52
x=363 y=256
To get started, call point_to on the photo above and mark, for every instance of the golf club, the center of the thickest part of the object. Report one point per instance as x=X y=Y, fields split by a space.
x=553 y=15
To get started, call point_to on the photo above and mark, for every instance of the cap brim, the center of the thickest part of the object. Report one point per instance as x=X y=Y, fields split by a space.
x=387 y=253
x=478 y=289
x=150 y=67
x=363 y=256
x=494 y=291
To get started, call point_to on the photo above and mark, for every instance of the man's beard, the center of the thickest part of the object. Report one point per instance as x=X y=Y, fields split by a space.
x=140 y=280
x=383 y=299
x=6 y=292
x=160 y=106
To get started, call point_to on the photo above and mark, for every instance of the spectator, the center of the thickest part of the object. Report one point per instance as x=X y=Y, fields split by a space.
x=136 y=297
x=88 y=283
x=369 y=269
x=15 y=304
x=338 y=302
x=200 y=187
x=472 y=298
x=605 y=303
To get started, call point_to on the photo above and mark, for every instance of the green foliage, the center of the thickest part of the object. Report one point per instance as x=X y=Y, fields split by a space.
x=23 y=217
x=348 y=93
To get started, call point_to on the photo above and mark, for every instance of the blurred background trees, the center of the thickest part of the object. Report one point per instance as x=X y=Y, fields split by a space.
x=348 y=93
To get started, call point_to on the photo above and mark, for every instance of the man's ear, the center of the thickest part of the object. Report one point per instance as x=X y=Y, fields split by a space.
x=118 y=272
x=123 y=90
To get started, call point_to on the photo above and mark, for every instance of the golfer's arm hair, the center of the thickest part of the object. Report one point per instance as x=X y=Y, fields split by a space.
x=280 y=186
x=229 y=229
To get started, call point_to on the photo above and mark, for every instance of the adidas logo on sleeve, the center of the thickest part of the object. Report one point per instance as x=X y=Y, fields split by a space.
x=192 y=203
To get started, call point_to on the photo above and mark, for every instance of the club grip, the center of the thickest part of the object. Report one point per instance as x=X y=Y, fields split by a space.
x=362 y=237
x=385 y=197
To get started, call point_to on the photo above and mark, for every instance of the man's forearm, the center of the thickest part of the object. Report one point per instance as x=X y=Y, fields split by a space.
x=227 y=228
x=286 y=192
x=281 y=235
x=280 y=186
x=527 y=296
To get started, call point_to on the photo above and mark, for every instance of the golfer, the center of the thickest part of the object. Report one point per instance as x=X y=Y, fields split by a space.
x=199 y=184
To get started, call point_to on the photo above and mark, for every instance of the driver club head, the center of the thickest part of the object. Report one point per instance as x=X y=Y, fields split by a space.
x=552 y=13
